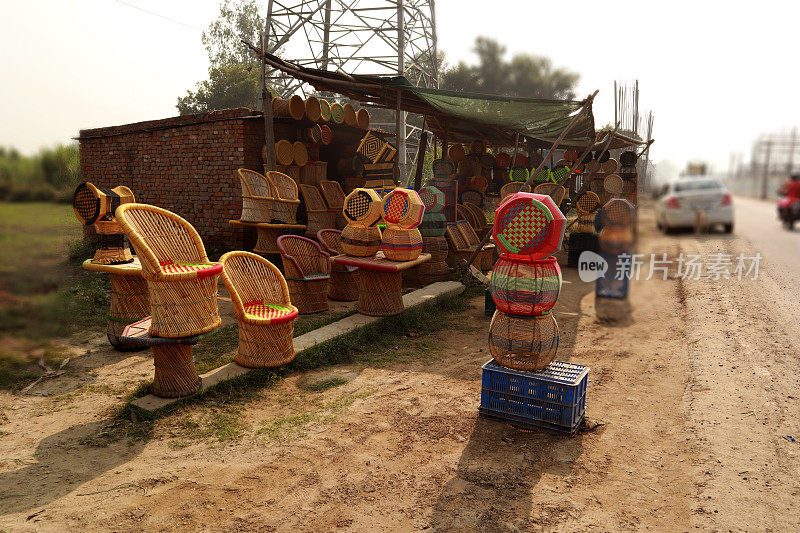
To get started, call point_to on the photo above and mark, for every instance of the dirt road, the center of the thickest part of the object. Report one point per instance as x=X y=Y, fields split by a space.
x=694 y=385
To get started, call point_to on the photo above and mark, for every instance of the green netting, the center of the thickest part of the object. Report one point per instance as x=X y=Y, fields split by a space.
x=539 y=118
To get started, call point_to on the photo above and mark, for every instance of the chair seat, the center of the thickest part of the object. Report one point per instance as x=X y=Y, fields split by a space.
x=312 y=277
x=203 y=269
x=270 y=313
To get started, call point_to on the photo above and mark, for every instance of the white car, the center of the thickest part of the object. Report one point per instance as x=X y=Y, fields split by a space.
x=686 y=201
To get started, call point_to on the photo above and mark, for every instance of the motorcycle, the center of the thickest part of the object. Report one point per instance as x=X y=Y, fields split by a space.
x=788 y=211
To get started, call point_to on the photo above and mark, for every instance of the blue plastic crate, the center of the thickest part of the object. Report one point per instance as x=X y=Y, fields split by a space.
x=609 y=286
x=553 y=398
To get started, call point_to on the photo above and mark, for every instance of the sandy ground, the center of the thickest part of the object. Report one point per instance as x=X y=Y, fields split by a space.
x=693 y=390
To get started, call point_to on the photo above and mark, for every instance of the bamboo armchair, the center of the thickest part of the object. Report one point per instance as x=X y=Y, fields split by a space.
x=256 y=196
x=459 y=248
x=181 y=280
x=553 y=190
x=481 y=227
x=262 y=307
x=513 y=188
x=319 y=216
x=334 y=196
x=308 y=273
x=283 y=190
x=344 y=278
x=487 y=252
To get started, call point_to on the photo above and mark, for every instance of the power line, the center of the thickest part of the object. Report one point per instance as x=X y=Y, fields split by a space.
x=160 y=16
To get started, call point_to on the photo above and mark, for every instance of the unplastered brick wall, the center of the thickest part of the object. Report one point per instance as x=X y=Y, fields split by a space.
x=185 y=164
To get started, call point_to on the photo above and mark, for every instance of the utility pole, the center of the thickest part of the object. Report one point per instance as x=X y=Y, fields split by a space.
x=400 y=116
x=266 y=100
x=765 y=176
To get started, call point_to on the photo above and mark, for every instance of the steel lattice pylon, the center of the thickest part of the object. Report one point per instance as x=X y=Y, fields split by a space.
x=356 y=37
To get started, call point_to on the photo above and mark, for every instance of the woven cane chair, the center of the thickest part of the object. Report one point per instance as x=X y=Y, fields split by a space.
x=319 y=216
x=553 y=190
x=308 y=273
x=513 y=188
x=344 y=279
x=334 y=197
x=181 y=280
x=256 y=197
x=262 y=308
x=283 y=190
x=480 y=218
x=459 y=248
x=462 y=213
x=486 y=256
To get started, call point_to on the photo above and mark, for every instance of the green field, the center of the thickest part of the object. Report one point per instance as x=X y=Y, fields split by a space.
x=44 y=294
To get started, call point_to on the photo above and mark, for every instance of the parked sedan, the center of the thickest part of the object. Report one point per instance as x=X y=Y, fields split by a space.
x=686 y=202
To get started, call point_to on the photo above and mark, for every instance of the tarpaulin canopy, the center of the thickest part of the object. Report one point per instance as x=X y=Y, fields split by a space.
x=461 y=116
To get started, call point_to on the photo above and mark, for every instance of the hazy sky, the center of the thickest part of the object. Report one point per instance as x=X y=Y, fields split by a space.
x=716 y=75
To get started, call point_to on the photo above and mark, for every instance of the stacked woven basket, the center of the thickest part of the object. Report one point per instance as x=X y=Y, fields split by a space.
x=432 y=229
x=526 y=281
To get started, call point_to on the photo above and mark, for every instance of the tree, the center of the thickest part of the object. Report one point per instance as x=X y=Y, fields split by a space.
x=233 y=74
x=525 y=75
x=228 y=86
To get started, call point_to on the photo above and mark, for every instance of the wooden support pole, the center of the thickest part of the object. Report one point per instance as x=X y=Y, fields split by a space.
x=266 y=106
x=423 y=146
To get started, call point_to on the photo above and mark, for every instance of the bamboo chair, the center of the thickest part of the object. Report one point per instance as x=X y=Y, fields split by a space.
x=482 y=226
x=462 y=213
x=513 y=188
x=182 y=282
x=553 y=190
x=256 y=197
x=262 y=308
x=459 y=248
x=334 y=196
x=486 y=254
x=308 y=273
x=319 y=216
x=344 y=279
x=283 y=190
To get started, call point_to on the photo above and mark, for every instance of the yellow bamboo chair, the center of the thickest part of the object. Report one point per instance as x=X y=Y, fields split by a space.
x=263 y=309
x=182 y=282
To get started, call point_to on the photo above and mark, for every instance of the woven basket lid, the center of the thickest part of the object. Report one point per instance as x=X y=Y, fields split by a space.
x=337 y=112
x=613 y=184
x=478 y=183
x=519 y=174
x=570 y=156
x=443 y=168
x=324 y=110
x=477 y=147
x=609 y=166
x=472 y=196
x=456 y=153
x=618 y=213
x=559 y=173
x=502 y=160
x=628 y=158
x=529 y=225
x=542 y=176
x=403 y=207
x=432 y=198
x=587 y=203
x=327 y=134
x=86 y=203
x=603 y=156
x=362 y=207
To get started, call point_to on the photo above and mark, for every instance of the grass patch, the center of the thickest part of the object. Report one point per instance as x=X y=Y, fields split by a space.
x=306 y=323
x=323 y=384
x=216 y=348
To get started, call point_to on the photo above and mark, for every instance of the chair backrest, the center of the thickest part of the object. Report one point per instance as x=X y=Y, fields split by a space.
x=462 y=213
x=160 y=236
x=456 y=238
x=478 y=213
x=513 y=188
x=251 y=278
x=333 y=193
x=331 y=240
x=282 y=186
x=303 y=256
x=553 y=190
x=312 y=198
x=469 y=234
x=253 y=183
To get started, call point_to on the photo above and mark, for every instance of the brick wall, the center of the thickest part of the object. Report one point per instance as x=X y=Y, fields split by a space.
x=185 y=164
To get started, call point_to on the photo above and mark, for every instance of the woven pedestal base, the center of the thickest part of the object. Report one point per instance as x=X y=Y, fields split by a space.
x=265 y=346
x=379 y=293
x=309 y=296
x=436 y=246
x=175 y=375
x=432 y=272
x=344 y=286
x=130 y=302
x=183 y=308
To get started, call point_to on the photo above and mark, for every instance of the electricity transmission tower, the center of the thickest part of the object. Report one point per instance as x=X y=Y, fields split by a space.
x=388 y=37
